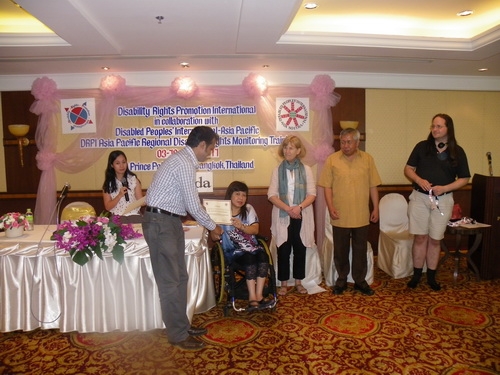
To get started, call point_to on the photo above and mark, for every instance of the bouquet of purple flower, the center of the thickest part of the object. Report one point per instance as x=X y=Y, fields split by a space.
x=89 y=236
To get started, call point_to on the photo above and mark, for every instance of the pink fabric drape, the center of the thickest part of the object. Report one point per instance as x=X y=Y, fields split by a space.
x=114 y=92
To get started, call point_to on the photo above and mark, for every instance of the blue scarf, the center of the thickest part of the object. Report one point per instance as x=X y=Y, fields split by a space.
x=299 y=191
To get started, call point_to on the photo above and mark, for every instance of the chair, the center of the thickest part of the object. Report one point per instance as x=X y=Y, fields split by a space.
x=230 y=283
x=395 y=242
x=329 y=270
x=76 y=210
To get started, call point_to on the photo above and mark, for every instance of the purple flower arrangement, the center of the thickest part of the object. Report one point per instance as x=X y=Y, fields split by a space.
x=89 y=236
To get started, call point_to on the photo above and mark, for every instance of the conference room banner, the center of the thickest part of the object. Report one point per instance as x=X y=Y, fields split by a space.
x=152 y=123
x=163 y=130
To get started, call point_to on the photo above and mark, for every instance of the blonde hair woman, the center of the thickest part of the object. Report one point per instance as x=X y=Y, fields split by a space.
x=292 y=192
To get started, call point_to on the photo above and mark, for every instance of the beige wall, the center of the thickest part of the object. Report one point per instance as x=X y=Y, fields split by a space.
x=397 y=119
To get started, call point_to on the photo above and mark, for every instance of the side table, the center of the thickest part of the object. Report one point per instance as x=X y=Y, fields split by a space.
x=460 y=231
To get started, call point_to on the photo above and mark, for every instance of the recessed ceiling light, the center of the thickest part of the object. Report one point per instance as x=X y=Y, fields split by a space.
x=310 y=5
x=483 y=69
x=265 y=66
x=105 y=68
x=160 y=18
x=184 y=64
x=465 y=13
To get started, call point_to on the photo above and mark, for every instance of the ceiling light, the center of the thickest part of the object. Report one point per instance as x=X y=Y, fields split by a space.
x=160 y=18
x=483 y=69
x=265 y=66
x=105 y=68
x=310 y=5
x=465 y=13
x=184 y=64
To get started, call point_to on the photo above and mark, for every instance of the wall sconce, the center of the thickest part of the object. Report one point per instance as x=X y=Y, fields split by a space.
x=349 y=124
x=19 y=131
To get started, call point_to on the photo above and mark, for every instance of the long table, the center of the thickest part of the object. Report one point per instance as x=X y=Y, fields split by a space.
x=41 y=287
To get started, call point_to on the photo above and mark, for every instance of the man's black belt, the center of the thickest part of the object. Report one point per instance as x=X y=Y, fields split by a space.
x=157 y=210
x=426 y=192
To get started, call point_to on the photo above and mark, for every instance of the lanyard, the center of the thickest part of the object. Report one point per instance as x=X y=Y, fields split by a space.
x=434 y=202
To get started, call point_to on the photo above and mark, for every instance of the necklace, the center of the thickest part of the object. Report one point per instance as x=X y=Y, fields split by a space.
x=441 y=144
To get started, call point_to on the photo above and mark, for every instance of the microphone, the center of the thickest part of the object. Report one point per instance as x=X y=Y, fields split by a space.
x=125 y=184
x=64 y=190
x=488 y=155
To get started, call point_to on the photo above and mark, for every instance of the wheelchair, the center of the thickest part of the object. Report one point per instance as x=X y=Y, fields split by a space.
x=230 y=284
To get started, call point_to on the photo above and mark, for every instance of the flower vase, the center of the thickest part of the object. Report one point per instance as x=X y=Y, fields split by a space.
x=14 y=232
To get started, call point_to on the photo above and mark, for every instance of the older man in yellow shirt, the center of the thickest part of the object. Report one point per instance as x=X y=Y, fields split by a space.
x=350 y=179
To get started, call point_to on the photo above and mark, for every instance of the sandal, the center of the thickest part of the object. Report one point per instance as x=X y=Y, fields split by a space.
x=300 y=289
x=263 y=304
x=253 y=306
x=283 y=290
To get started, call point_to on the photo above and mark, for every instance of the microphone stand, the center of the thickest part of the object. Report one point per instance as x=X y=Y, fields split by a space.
x=64 y=192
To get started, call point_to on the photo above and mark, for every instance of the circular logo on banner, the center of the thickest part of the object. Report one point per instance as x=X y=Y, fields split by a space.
x=78 y=115
x=292 y=114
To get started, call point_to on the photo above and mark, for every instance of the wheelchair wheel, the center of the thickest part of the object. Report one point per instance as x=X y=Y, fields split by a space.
x=218 y=271
x=270 y=286
x=229 y=281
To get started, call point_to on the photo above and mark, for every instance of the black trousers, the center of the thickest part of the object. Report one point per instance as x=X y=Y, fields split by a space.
x=294 y=243
x=342 y=240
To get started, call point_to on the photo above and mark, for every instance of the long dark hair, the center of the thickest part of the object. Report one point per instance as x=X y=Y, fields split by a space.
x=452 y=141
x=109 y=185
x=238 y=186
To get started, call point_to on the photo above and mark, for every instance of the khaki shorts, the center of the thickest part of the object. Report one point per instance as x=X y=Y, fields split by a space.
x=426 y=221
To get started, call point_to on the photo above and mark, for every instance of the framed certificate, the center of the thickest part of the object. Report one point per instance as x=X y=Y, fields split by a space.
x=219 y=210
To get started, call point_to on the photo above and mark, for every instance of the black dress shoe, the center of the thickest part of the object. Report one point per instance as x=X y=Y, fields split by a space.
x=434 y=286
x=189 y=344
x=197 y=331
x=366 y=290
x=338 y=290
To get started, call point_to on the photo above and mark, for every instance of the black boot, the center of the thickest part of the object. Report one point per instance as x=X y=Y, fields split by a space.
x=417 y=274
x=431 y=280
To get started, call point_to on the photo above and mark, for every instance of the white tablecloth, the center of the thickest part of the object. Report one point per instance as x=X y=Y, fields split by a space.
x=41 y=287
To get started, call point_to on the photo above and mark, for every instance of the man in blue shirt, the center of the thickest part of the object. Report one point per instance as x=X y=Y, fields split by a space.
x=173 y=194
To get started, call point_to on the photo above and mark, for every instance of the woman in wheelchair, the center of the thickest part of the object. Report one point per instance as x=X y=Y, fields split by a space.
x=239 y=244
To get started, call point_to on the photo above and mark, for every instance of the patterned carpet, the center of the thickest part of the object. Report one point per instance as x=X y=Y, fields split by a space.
x=397 y=331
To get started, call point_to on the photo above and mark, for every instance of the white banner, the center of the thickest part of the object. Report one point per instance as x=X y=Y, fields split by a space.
x=205 y=182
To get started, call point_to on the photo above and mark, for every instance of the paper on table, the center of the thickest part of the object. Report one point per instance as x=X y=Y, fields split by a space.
x=134 y=205
x=219 y=210
x=477 y=225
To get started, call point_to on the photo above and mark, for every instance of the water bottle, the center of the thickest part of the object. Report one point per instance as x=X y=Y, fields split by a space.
x=29 y=218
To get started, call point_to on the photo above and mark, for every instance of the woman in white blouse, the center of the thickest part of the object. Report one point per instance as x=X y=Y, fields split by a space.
x=292 y=192
x=121 y=186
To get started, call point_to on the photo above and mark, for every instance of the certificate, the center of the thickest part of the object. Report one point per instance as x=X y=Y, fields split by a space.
x=219 y=210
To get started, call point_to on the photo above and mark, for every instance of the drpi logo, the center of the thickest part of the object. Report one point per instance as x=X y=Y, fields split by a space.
x=78 y=116
x=292 y=114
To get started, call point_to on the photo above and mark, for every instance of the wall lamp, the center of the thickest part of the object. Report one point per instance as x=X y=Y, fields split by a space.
x=20 y=131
